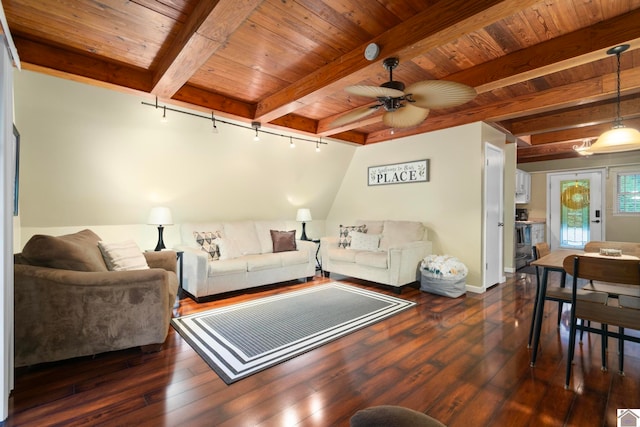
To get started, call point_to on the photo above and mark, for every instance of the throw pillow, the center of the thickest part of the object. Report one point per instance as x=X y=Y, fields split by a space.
x=344 y=239
x=364 y=242
x=123 y=256
x=283 y=241
x=209 y=242
x=78 y=251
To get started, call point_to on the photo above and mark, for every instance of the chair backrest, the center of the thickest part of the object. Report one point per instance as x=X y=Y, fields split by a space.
x=603 y=269
x=627 y=248
x=541 y=249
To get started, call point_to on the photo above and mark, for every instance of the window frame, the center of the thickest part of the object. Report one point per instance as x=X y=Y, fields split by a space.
x=616 y=193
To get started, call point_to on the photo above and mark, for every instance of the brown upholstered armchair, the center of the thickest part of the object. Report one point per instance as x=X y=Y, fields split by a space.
x=68 y=304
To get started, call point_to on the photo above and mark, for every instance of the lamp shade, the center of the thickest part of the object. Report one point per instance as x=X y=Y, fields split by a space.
x=616 y=140
x=160 y=216
x=303 y=215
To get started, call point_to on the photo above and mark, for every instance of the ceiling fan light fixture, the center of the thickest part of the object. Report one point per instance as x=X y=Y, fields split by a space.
x=619 y=138
x=583 y=149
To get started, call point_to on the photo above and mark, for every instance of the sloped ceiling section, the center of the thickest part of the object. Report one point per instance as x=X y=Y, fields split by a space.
x=540 y=68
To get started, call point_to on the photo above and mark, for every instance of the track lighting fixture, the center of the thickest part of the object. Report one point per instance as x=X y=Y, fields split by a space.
x=255 y=125
x=213 y=119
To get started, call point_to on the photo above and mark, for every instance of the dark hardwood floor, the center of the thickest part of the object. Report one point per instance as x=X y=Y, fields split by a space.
x=463 y=361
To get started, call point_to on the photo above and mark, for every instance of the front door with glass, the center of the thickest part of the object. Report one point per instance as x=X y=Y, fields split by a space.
x=574 y=213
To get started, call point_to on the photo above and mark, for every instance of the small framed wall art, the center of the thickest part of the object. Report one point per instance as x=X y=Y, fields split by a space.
x=399 y=173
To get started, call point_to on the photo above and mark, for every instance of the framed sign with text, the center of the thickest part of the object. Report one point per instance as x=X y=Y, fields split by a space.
x=399 y=173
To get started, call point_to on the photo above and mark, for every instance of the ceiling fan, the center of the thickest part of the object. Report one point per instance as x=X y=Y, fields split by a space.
x=406 y=108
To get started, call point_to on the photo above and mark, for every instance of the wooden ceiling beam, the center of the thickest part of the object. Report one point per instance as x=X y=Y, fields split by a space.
x=416 y=35
x=568 y=51
x=599 y=113
x=79 y=67
x=578 y=133
x=206 y=30
x=591 y=90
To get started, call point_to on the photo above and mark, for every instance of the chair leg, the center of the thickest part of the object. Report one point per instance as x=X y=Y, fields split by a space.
x=603 y=348
x=535 y=304
x=621 y=352
x=563 y=279
x=572 y=347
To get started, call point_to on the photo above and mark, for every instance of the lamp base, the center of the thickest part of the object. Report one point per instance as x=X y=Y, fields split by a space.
x=304 y=232
x=160 y=246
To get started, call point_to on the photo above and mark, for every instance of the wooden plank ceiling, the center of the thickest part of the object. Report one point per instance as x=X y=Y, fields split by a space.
x=540 y=67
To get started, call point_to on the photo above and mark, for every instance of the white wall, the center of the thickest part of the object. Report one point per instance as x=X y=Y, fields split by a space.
x=97 y=158
x=450 y=203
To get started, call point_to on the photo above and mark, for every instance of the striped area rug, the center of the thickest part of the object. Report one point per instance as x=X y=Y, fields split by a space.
x=242 y=339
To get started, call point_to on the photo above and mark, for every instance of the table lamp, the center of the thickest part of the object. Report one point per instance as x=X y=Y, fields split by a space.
x=160 y=216
x=303 y=216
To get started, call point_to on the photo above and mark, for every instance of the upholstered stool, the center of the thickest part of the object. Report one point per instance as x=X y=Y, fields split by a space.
x=392 y=416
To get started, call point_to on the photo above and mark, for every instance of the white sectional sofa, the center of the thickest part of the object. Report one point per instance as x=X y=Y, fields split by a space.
x=221 y=257
x=387 y=252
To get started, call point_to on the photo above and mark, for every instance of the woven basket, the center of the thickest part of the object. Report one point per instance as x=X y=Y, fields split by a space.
x=452 y=288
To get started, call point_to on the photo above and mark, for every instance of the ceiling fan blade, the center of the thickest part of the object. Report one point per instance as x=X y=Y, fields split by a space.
x=440 y=93
x=354 y=115
x=374 y=91
x=405 y=117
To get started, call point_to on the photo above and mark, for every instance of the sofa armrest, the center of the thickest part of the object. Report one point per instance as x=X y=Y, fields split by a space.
x=404 y=261
x=167 y=260
x=195 y=266
x=310 y=247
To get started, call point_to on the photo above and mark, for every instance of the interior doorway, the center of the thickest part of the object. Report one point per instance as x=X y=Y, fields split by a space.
x=575 y=215
x=493 y=229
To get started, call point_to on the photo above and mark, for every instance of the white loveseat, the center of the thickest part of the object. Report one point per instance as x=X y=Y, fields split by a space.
x=246 y=257
x=387 y=252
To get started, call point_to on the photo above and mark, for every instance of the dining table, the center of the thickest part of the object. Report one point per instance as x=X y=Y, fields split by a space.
x=554 y=262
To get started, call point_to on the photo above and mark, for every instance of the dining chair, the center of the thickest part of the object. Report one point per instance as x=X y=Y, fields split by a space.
x=553 y=294
x=607 y=308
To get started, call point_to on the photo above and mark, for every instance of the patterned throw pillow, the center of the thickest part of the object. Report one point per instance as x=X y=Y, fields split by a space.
x=207 y=242
x=344 y=239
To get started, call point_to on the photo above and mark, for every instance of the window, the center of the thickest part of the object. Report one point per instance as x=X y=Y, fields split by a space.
x=628 y=193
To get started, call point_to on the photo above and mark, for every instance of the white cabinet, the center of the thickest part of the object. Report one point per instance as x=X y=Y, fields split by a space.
x=523 y=186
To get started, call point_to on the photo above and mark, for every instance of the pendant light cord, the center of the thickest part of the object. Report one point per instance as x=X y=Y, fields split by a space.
x=618 y=117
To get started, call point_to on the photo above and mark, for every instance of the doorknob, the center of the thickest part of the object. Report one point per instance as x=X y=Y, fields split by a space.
x=501 y=224
x=596 y=221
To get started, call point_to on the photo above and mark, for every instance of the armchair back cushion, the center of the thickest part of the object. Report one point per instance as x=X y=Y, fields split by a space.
x=78 y=252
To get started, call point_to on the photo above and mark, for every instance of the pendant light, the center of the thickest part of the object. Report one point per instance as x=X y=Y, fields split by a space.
x=619 y=138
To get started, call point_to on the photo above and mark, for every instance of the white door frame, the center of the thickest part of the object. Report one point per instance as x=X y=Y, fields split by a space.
x=550 y=176
x=493 y=221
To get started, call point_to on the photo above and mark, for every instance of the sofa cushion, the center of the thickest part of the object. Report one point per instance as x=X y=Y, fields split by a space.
x=344 y=240
x=263 y=230
x=227 y=248
x=283 y=241
x=263 y=262
x=78 y=251
x=123 y=256
x=243 y=234
x=397 y=233
x=208 y=242
x=294 y=258
x=364 y=241
x=229 y=266
x=343 y=255
x=372 y=259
